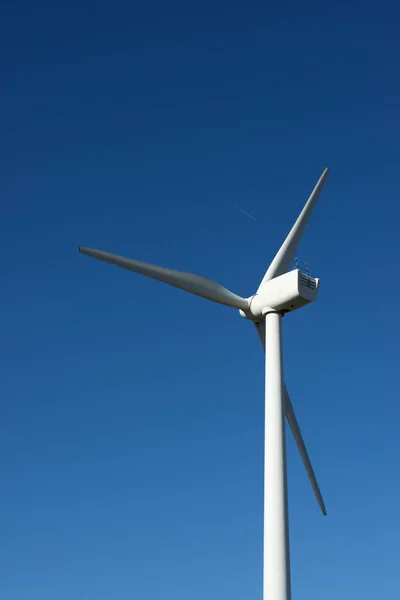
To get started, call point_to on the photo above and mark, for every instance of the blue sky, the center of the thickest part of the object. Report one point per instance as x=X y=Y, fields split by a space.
x=131 y=428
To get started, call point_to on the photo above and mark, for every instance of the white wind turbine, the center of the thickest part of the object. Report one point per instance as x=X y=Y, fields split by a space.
x=279 y=292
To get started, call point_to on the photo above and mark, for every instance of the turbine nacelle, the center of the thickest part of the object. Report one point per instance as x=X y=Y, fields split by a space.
x=285 y=293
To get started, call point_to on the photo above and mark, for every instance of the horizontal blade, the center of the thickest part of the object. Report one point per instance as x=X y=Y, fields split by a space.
x=286 y=253
x=296 y=432
x=206 y=288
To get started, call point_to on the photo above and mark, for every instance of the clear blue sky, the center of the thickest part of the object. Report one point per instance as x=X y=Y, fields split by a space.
x=131 y=427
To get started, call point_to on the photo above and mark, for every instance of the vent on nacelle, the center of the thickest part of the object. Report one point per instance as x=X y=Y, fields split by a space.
x=308 y=281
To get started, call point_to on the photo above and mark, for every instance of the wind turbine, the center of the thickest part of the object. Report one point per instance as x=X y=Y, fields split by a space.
x=281 y=291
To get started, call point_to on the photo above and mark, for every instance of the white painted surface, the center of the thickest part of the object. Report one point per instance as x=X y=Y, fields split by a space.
x=276 y=532
x=195 y=284
x=285 y=255
x=286 y=293
x=296 y=431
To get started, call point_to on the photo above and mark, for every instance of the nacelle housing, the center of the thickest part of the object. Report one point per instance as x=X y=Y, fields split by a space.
x=285 y=293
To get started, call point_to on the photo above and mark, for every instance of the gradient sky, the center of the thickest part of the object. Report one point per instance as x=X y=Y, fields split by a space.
x=131 y=429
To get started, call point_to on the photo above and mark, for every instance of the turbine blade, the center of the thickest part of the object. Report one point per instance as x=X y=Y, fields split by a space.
x=195 y=284
x=296 y=432
x=287 y=251
x=298 y=438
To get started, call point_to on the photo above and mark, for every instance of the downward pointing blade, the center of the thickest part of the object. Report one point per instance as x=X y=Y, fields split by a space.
x=195 y=284
x=296 y=432
x=287 y=251
x=298 y=438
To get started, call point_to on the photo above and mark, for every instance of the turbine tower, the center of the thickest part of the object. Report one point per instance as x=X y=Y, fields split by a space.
x=281 y=291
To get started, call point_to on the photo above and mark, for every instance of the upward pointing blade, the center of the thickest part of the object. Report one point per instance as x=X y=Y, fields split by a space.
x=296 y=432
x=195 y=284
x=287 y=251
